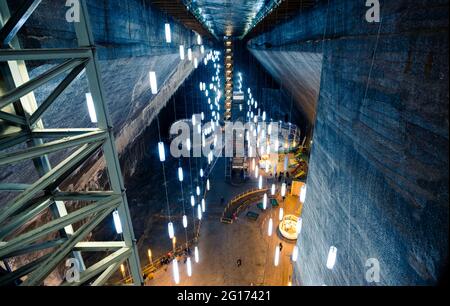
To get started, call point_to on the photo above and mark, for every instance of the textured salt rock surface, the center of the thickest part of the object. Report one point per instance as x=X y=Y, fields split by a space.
x=378 y=180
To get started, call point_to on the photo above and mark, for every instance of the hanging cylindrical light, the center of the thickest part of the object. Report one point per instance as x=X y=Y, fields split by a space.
x=188 y=144
x=91 y=108
x=331 y=260
x=117 y=223
x=180 y=174
x=199 y=212
x=277 y=256
x=208 y=186
x=196 y=255
x=303 y=194
x=189 y=267
x=281 y=214
x=299 y=225
x=153 y=82
x=185 y=221
x=190 y=54
x=198 y=190
x=195 y=63
x=273 y=190
x=203 y=205
x=256 y=172
x=168 y=33
x=171 y=230
x=260 y=182
x=202 y=173
x=295 y=254
x=199 y=40
x=265 y=201
x=176 y=272
x=270 y=228
x=192 y=201
x=283 y=189
x=162 y=153
x=182 y=52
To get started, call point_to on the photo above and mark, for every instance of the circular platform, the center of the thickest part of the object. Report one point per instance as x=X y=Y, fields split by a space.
x=288 y=227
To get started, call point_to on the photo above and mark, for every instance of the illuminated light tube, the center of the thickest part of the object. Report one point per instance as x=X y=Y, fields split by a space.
x=198 y=191
x=91 y=108
x=260 y=182
x=189 y=267
x=202 y=173
x=117 y=223
x=162 y=152
x=190 y=54
x=194 y=120
x=188 y=144
x=176 y=272
x=265 y=201
x=199 y=129
x=203 y=206
x=208 y=185
x=203 y=116
x=264 y=116
x=196 y=255
x=180 y=174
x=168 y=33
x=299 y=226
x=270 y=228
x=185 y=221
x=199 y=212
x=182 y=53
x=153 y=82
x=269 y=129
x=199 y=40
x=277 y=256
x=203 y=140
x=195 y=63
x=331 y=260
x=303 y=194
x=273 y=190
x=295 y=254
x=192 y=201
x=283 y=190
x=202 y=49
x=281 y=214
x=171 y=230
x=256 y=172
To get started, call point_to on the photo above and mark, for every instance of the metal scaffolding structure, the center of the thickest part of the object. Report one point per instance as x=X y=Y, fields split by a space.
x=21 y=127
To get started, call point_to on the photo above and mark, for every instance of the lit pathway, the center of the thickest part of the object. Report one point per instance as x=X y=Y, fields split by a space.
x=221 y=244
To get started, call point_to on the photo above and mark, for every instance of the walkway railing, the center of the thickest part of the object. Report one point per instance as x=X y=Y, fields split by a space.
x=237 y=204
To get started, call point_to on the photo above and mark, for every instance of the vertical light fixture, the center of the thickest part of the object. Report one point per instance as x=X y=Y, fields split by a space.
x=265 y=201
x=189 y=266
x=199 y=39
x=203 y=206
x=162 y=152
x=176 y=272
x=198 y=190
x=260 y=182
x=190 y=54
x=182 y=52
x=277 y=256
x=168 y=33
x=331 y=260
x=281 y=214
x=196 y=254
x=270 y=228
x=171 y=230
x=91 y=108
x=273 y=189
x=199 y=212
x=283 y=190
x=185 y=221
x=295 y=254
x=192 y=201
x=180 y=174
x=117 y=223
x=303 y=194
x=153 y=82
x=299 y=225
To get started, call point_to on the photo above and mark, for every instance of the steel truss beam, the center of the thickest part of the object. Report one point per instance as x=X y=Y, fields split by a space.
x=19 y=109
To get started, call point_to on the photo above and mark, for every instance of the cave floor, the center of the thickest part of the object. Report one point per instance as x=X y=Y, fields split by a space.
x=221 y=245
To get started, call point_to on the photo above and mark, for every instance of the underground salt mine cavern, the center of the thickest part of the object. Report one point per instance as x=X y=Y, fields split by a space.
x=224 y=143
